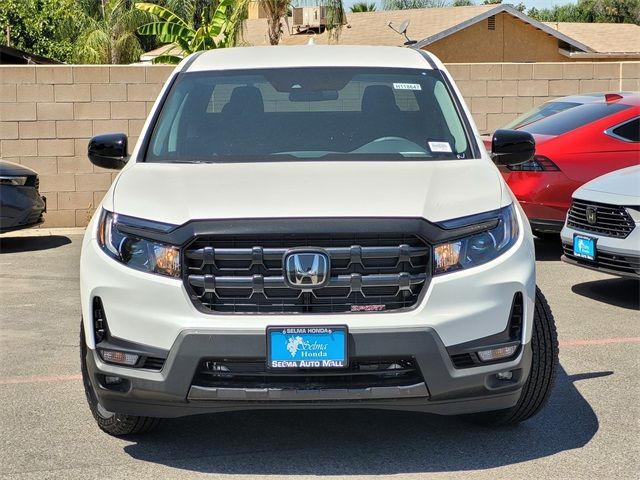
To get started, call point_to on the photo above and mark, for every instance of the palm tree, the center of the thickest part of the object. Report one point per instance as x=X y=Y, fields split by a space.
x=360 y=7
x=109 y=32
x=276 y=10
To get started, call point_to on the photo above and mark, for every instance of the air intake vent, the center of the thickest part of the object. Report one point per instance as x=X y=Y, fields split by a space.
x=491 y=22
x=515 y=321
x=464 y=360
x=99 y=320
x=361 y=373
x=153 y=363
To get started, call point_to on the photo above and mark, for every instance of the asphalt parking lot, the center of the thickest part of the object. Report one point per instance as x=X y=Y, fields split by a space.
x=590 y=428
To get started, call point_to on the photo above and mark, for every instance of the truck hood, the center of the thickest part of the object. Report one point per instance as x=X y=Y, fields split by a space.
x=434 y=190
x=621 y=183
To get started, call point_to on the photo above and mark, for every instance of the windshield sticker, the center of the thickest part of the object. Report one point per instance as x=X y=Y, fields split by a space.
x=407 y=86
x=440 y=147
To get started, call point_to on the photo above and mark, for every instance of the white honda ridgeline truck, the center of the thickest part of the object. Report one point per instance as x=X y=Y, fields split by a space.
x=311 y=227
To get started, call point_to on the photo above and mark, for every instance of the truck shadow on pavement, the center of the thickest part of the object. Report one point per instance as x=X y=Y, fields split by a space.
x=548 y=250
x=619 y=292
x=30 y=244
x=365 y=442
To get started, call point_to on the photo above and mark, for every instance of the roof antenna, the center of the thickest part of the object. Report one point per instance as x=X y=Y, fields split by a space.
x=402 y=30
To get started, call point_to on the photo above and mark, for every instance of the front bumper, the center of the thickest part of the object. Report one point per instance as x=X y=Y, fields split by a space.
x=20 y=207
x=614 y=256
x=445 y=390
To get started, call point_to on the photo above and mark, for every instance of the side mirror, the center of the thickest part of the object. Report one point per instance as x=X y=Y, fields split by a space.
x=511 y=147
x=109 y=150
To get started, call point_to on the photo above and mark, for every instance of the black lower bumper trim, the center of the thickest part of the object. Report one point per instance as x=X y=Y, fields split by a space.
x=445 y=390
x=546 y=226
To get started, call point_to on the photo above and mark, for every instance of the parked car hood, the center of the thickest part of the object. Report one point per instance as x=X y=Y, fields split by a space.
x=435 y=190
x=10 y=168
x=621 y=183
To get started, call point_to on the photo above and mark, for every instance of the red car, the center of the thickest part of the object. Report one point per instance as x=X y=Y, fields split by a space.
x=578 y=139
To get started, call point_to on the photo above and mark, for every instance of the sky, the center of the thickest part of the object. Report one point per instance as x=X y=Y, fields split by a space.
x=528 y=3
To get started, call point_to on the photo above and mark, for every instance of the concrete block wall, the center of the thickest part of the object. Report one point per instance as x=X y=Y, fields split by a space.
x=48 y=113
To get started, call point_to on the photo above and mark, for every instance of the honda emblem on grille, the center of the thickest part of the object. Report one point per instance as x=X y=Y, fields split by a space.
x=306 y=269
x=592 y=216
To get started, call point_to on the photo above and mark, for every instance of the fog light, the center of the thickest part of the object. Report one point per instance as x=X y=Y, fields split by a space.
x=121 y=358
x=112 y=380
x=497 y=353
x=504 y=375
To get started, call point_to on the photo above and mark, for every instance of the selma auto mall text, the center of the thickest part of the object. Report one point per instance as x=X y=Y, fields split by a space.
x=307 y=364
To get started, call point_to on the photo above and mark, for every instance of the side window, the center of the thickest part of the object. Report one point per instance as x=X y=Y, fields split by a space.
x=166 y=137
x=628 y=132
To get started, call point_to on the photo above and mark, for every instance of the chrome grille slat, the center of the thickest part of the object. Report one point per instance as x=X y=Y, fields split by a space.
x=355 y=281
x=244 y=274
x=611 y=220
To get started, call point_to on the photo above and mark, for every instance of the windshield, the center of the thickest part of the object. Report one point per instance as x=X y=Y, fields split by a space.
x=308 y=113
x=538 y=113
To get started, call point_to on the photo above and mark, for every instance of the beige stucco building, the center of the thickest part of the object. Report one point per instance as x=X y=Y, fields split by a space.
x=477 y=34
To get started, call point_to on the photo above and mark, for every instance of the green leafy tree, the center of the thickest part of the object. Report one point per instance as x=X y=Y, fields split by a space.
x=214 y=31
x=462 y=3
x=591 y=11
x=44 y=27
x=109 y=32
x=363 y=7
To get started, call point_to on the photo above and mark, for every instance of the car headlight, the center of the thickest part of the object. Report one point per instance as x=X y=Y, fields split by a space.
x=479 y=248
x=12 y=180
x=135 y=252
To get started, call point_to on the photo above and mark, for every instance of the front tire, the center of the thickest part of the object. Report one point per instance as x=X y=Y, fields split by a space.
x=539 y=383
x=116 y=424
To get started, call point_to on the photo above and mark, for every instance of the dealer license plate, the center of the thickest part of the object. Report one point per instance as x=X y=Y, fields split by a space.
x=584 y=247
x=307 y=347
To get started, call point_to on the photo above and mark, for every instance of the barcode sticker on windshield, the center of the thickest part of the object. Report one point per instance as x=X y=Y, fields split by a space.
x=440 y=147
x=407 y=86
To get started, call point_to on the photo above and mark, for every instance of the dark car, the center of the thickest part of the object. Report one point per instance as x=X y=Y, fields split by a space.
x=21 y=204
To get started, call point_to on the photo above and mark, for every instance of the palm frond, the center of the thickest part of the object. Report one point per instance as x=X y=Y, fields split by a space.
x=167 y=32
x=160 y=12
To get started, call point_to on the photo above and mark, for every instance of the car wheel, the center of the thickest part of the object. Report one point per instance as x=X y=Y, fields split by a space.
x=116 y=424
x=544 y=362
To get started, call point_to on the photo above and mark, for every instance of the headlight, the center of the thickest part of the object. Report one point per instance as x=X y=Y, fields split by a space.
x=11 y=180
x=479 y=248
x=135 y=252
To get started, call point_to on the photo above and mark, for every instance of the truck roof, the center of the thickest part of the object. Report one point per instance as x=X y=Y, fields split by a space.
x=305 y=56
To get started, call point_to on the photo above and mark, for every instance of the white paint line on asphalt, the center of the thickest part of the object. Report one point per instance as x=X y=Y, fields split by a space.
x=44 y=232
x=598 y=341
x=39 y=379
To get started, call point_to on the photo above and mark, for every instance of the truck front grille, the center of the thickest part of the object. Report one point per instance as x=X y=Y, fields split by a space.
x=244 y=273
x=610 y=220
